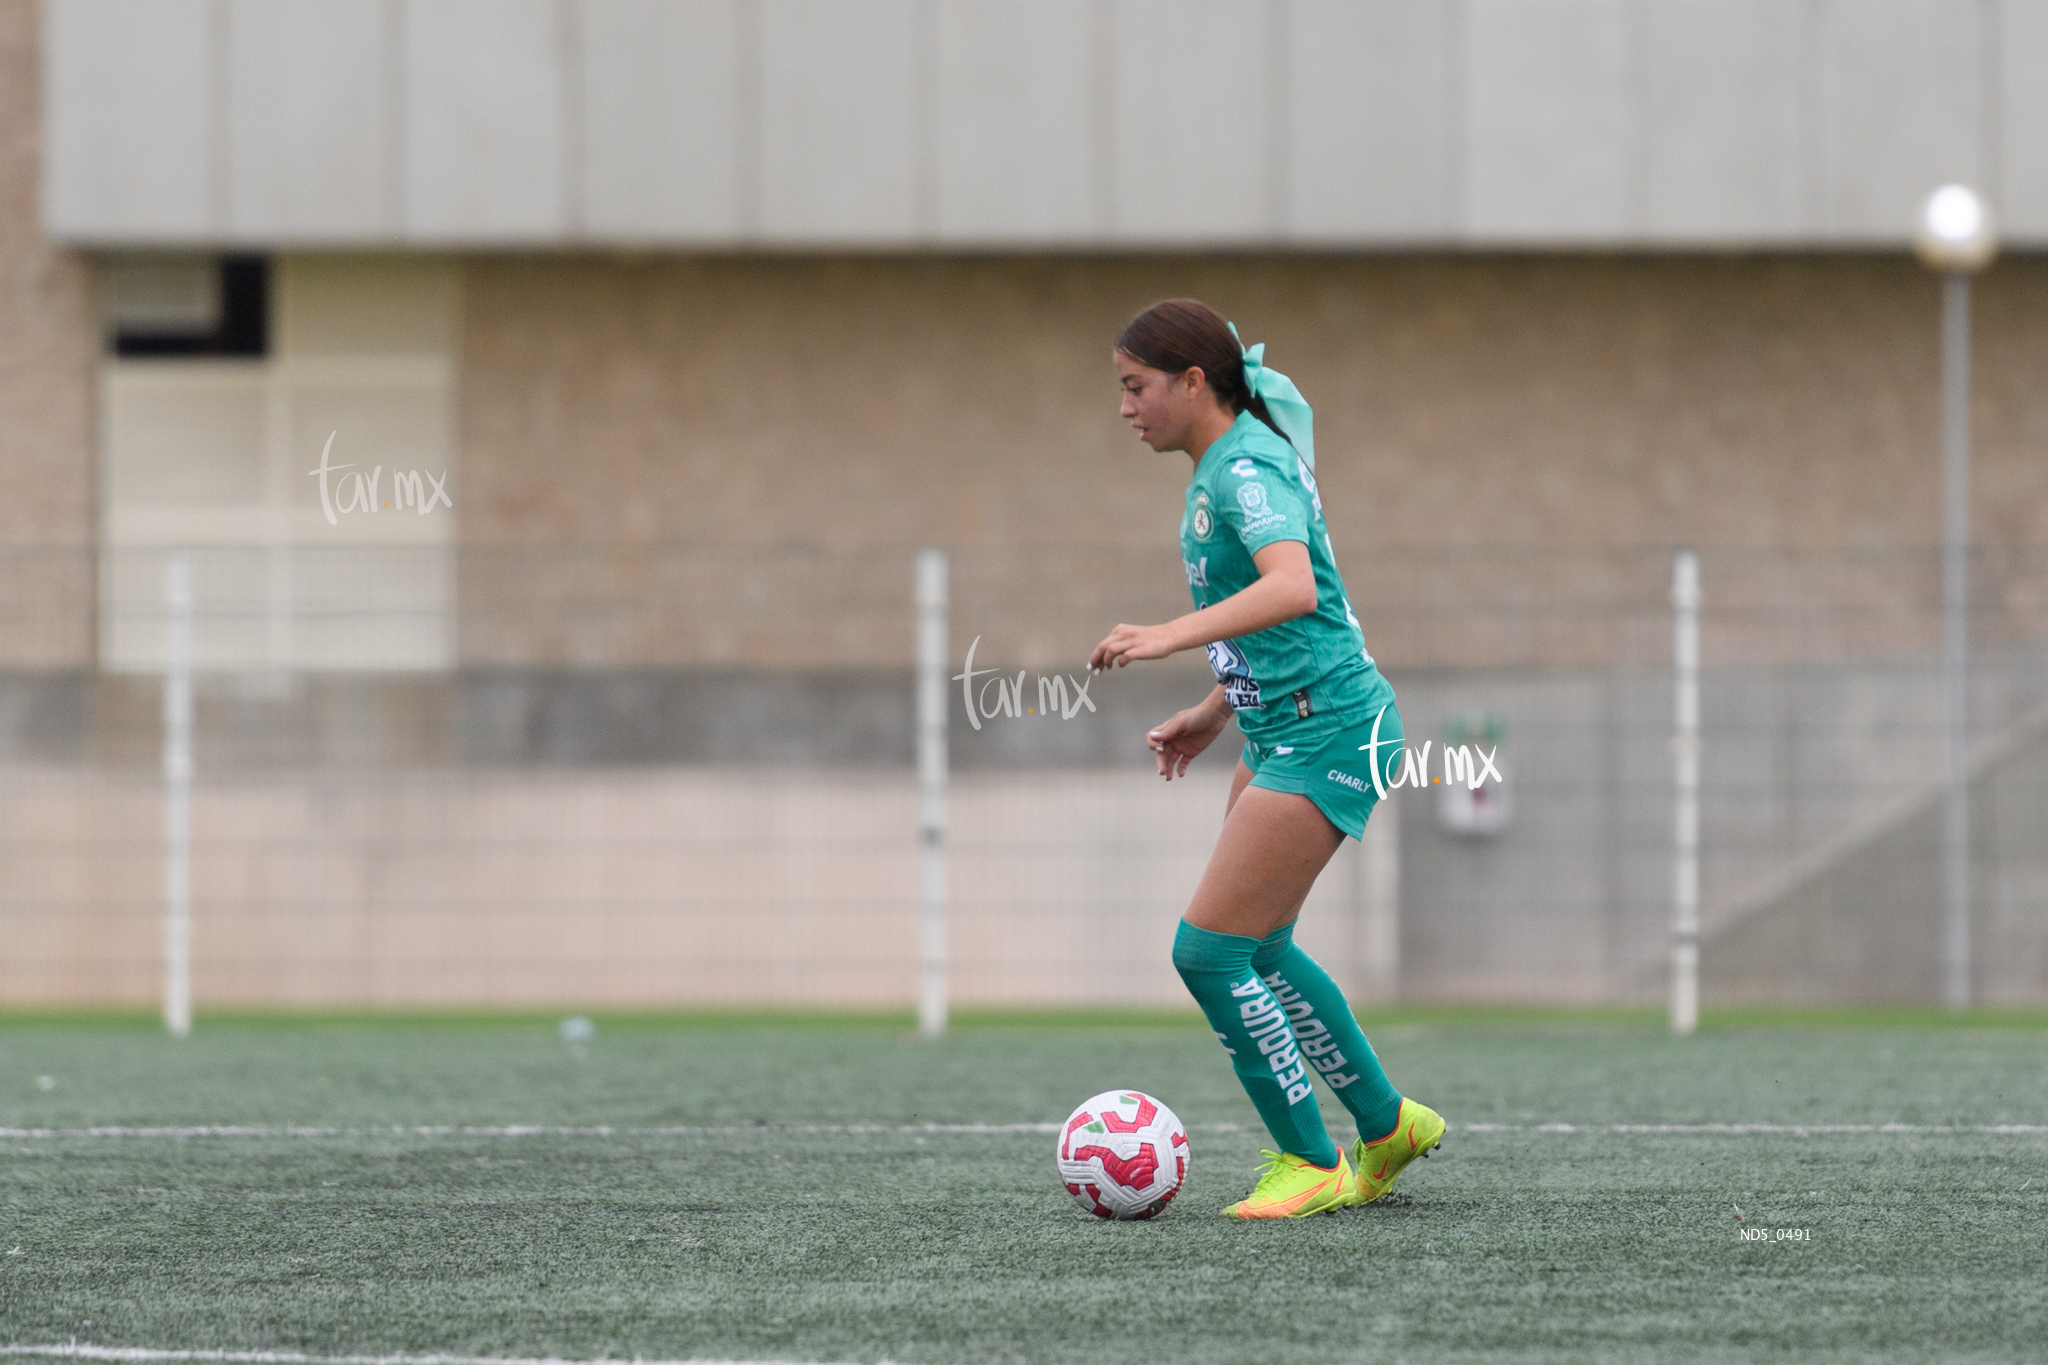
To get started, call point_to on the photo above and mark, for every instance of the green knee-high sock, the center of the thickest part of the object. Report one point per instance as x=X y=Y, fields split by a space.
x=1255 y=1031
x=1329 y=1034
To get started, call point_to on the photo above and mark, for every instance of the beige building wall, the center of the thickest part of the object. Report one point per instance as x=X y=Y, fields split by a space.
x=1509 y=422
x=647 y=887
x=47 y=352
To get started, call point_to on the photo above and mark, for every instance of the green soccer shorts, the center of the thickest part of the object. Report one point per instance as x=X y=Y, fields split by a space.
x=1331 y=763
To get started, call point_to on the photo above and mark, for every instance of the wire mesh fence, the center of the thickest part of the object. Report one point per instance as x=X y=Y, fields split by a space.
x=670 y=775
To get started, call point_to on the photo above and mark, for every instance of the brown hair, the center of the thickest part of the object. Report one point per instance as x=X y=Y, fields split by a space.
x=1177 y=335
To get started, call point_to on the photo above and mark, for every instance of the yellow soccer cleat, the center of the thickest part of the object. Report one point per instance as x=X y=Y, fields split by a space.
x=1289 y=1187
x=1418 y=1129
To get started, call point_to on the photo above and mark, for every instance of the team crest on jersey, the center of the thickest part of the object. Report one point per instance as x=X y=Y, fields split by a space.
x=1252 y=498
x=1204 y=522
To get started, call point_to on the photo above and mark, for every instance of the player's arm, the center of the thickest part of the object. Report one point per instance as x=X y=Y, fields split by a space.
x=1286 y=589
x=1178 y=741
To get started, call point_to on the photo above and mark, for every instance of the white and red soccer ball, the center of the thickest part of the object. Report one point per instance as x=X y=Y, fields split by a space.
x=1123 y=1155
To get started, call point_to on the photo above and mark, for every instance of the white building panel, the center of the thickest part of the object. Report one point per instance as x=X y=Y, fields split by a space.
x=307 y=134
x=1150 y=124
x=211 y=456
x=1370 y=139
x=2022 y=128
x=1019 y=159
x=129 y=146
x=1721 y=120
x=661 y=127
x=1551 y=121
x=1192 y=119
x=842 y=120
x=1901 y=113
x=484 y=126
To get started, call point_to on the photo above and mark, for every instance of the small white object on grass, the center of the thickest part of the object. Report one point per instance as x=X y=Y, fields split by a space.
x=46 y=1082
x=577 y=1028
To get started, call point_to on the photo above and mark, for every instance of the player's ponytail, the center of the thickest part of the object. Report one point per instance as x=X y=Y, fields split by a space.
x=1177 y=335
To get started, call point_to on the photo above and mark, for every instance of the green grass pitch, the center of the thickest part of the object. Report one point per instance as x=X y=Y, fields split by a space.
x=784 y=1227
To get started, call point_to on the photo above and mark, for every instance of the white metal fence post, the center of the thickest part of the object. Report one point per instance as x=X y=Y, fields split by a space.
x=931 y=790
x=178 y=794
x=1955 y=575
x=1685 y=754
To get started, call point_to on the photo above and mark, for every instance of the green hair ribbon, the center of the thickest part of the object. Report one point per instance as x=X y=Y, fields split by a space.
x=1290 y=411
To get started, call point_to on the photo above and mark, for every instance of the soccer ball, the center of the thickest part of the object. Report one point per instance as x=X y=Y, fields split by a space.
x=1123 y=1155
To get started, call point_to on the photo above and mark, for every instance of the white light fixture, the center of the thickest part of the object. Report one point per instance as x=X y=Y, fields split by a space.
x=1955 y=231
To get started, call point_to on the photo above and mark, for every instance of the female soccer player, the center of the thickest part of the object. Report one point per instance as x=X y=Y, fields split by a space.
x=1320 y=726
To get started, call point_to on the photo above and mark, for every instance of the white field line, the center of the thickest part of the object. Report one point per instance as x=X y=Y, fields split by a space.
x=527 y=1130
x=990 y=1130
x=77 y=1350
x=1753 y=1129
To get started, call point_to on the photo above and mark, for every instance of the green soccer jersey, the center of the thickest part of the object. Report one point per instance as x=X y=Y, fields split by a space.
x=1249 y=490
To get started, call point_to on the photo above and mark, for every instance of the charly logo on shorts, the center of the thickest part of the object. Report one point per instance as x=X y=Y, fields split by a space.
x=1204 y=523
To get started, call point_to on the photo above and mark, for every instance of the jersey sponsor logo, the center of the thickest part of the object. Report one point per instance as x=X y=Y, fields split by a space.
x=1234 y=671
x=1244 y=469
x=1198 y=571
x=1356 y=784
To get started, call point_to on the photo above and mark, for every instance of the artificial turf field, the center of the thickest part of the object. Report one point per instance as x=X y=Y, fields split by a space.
x=745 y=1189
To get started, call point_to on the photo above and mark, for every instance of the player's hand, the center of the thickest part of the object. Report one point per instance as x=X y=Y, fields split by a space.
x=1129 y=644
x=1175 y=744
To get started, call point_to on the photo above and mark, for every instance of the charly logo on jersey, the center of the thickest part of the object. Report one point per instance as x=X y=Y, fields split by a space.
x=1244 y=469
x=1204 y=521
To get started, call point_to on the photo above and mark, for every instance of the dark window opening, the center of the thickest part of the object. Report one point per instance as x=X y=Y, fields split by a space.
x=238 y=323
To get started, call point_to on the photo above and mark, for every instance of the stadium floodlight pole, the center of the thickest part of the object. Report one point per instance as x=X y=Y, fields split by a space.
x=931 y=790
x=178 y=794
x=1685 y=759
x=1957 y=237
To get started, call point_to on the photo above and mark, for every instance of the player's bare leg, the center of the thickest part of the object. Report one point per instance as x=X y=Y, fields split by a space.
x=1273 y=847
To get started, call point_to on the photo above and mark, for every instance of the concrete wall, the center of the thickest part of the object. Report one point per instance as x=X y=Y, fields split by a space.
x=386 y=842
x=47 y=350
x=1866 y=926
x=658 y=887
x=1497 y=438
x=970 y=123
